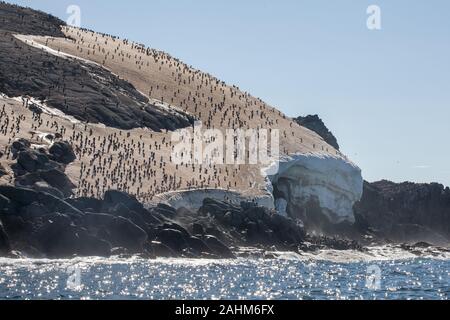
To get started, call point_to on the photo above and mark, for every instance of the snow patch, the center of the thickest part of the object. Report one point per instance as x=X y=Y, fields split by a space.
x=46 y=109
x=193 y=199
x=28 y=39
x=334 y=181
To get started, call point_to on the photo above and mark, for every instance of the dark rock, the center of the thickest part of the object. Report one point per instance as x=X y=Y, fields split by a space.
x=218 y=247
x=120 y=209
x=172 y=238
x=15 y=226
x=92 y=246
x=86 y=204
x=62 y=152
x=47 y=181
x=5 y=205
x=59 y=238
x=28 y=21
x=165 y=210
x=58 y=180
x=19 y=145
x=20 y=197
x=172 y=225
x=198 y=245
x=5 y=247
x=43 y=186
x=197 y=229
x=422 y=245
x=118 y=231
x=151 y=219
x=32 y=161
x=35 y=109
x=33 y=210
x=28 y=179
x=314 y=123
x=161 y=250
x=126 y=234
x=96 y=221
x=114 y=197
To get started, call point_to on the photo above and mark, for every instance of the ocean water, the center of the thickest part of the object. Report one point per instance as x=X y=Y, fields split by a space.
x=328 y=275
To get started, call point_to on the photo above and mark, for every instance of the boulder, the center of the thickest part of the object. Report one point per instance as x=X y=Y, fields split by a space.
x=122 y=232
x=62 y=152
x=172 y=238
x=15 y=226
x=19 y=145
x=33 y=210
x=60 y=238
x=120 y=210
x=86 y=204
x=43 y=186
x=21 y=197
x=218 y=247
x=197 y=229
x=161 y=250
x=52 y=181
x=5 y=247
x=32 y=161
x=173 y=225
x=6 y=205
x=58 y=180
x=92 y=246
x=165 y=210
x=114 y=197
x=198 y=245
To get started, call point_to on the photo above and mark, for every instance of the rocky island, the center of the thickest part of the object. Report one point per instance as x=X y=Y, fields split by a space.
x=86 y=161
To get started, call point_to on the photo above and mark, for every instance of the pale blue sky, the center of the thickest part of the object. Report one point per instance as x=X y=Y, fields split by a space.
x=385 y=94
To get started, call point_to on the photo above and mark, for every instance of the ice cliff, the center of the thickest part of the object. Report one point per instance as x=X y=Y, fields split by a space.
x=334 y=183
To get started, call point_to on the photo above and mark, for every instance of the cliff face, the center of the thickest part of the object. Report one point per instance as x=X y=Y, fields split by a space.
x=406 y=212
x=314 y=123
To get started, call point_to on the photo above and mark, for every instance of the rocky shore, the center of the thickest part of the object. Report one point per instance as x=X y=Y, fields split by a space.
x=42 y=215
x=39 y=217
x=38 y=224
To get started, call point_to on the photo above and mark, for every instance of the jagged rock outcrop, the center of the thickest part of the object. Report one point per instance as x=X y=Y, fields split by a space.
x=406 y=212
x=42 y=169
x=62 y=152
x=314 y=123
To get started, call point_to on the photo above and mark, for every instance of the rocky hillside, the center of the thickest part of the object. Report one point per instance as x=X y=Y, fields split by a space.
x=84 y=90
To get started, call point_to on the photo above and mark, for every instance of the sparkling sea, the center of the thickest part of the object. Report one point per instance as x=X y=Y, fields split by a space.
x=328 y=275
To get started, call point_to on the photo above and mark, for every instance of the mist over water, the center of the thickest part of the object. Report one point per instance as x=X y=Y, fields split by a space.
x=282 y=278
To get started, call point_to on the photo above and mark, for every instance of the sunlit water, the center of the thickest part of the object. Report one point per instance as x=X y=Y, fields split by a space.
x=324 y=276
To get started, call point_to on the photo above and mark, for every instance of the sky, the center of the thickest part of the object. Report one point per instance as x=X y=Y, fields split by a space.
x=385 y=94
